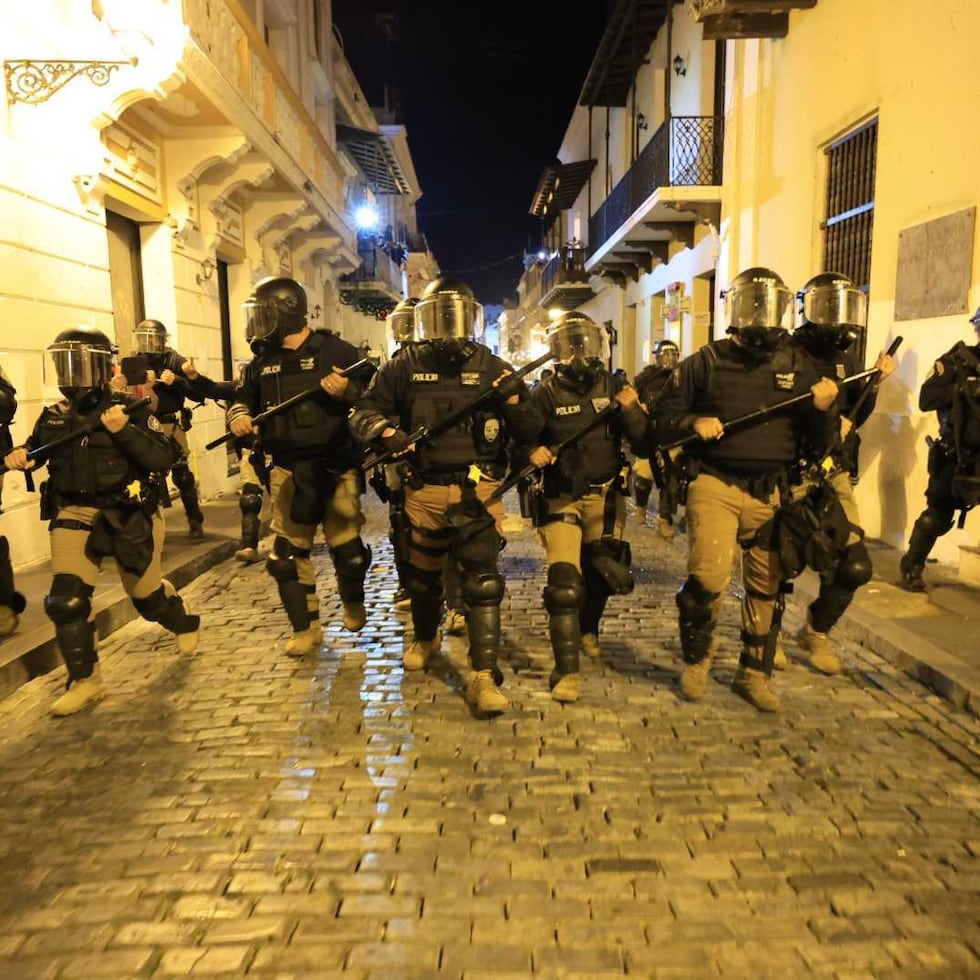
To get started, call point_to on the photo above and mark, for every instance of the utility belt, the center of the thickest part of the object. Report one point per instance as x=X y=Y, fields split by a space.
x=53 y=500
x=416 y=479
x=560 y=487
x=761 y=486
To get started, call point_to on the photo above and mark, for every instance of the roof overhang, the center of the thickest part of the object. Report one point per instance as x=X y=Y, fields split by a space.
x=376 y=158
x=559 y=186
x=632 y=26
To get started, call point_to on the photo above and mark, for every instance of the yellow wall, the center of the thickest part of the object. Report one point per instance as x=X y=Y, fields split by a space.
x=912 y=64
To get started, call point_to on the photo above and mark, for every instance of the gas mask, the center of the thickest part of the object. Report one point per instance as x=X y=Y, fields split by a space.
x=760 y=342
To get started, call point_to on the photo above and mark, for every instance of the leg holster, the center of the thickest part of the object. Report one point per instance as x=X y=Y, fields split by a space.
x=281 y=565
x=250 y=504
x=68 y=606
x=563 y=598
x=351 y=562
x=696 y=622
x=166 y=607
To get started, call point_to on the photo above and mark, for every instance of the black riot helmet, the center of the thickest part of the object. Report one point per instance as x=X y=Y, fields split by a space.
x=401 y=321
x=832 y=311
x=758 y=310
x=579 y=346
x=8 y=400
x=151 y=337
x=666 y=353
x=276 y=308
x=449 y=318
x=80 y=359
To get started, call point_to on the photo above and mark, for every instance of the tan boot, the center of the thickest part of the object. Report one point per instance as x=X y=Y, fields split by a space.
x=248 y=555
x=482 y=692
x=302 y=644
x=418 y=652
x=753 y=685
x=780 y=660
x=85 y=691
x=590 y=645
x=403 y=600
x=694 y=679
x=195 y=530
x=355 y=616
x=665 y=529
x=316 y=628
x=823 y=657
x=187 y=642
x=455 y=622
x=567 y=688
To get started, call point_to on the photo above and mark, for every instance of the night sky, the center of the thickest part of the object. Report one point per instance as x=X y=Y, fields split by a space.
x=486 y=92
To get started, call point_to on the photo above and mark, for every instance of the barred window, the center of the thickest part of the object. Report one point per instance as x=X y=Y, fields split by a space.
x=849 y=221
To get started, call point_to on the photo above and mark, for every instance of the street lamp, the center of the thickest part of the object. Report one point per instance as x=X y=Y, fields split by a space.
x=366 y=217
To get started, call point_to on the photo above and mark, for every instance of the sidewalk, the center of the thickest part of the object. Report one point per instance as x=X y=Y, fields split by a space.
x=932 y=636
x=31 y=651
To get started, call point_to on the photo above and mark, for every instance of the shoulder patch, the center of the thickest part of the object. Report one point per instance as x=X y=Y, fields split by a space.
x=598 y=404
x=784 y=380
x=470 y=378
x=154 y=423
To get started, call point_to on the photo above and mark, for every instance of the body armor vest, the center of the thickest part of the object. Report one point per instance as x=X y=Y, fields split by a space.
x=434 y=390
x=738 y=385
x=596 y=457
x=314 y=427
x=90 y=466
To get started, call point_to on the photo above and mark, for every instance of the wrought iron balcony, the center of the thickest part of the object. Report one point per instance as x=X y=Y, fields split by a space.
x=564 y=281
x=376 y=284
x=685 y=151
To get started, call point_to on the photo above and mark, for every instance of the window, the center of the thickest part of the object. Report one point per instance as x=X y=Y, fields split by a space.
x=849 y=221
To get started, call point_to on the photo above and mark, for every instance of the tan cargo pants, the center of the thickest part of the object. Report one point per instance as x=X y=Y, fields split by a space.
x=563 y=540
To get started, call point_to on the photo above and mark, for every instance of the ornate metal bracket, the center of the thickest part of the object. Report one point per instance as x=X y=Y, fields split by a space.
x=35 y=82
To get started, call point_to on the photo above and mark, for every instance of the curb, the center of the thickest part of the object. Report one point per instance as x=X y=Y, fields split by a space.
x=927 y=663
x=34 y=653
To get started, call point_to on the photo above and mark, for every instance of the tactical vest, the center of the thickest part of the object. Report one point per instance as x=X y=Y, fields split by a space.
x=434 y=391
x=310 y=428
x=598 y=453
x=90 y=466
x=738 y=385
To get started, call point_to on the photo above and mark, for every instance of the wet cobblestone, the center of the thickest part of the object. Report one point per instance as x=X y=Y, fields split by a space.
x=238 y=813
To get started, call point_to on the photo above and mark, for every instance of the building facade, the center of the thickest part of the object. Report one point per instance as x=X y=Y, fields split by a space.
x=802 y=135
x=157 y=158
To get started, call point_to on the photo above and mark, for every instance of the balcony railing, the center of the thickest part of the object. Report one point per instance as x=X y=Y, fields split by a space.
x=376 y=267
x=566 y=267
x=685 y=151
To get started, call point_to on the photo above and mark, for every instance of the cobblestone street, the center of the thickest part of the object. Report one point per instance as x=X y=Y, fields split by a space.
x=239 y=813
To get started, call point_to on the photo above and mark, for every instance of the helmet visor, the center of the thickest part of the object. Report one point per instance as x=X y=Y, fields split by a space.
x=584 y=342
x=401 y=326
x=758 y=304
x=261 y=319
x=73 y=364
x=834 y=306
x=444 y=316
x=150 y=341
x=667 y=357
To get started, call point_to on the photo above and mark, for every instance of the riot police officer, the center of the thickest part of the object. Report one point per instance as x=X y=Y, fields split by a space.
x=169 y=392
x=102 y=501
x=12 y=603
x=952 y=391
x=315 y=478
x=737 y=478
x=582 y=513
x=652 y=383
x=832 y=314
x=451 y=474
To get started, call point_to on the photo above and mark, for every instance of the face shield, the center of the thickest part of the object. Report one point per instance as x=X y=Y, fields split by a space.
x=763 y=303
x=579 y=349
x=261 y=319
x=445 y=316
x=77 y=365
x=401 y=326
x=668 y=358
x=835 y=306
x=150 y=341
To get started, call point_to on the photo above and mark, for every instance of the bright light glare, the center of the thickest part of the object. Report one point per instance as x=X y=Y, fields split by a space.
x=366 y=217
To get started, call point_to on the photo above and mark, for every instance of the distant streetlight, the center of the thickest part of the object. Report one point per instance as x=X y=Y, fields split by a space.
x=366 y=218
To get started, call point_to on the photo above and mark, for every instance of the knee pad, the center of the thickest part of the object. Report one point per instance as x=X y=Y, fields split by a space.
x=565 y=591
x=855 y=568
x=483 y=589
x=935 y=521
x=182 y=476
x=281 y=563
x=694 y=602
x=611 y=558
x=250 y=499
x=351 y=559
x=70 y=600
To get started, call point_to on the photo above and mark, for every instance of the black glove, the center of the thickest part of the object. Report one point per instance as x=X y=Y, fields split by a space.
x=397 y=442
x=510 y=386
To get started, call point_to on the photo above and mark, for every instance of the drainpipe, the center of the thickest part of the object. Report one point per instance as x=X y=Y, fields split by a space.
x=670 y=50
